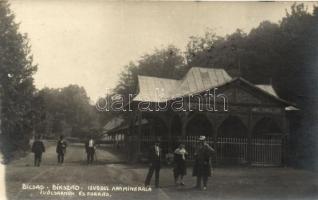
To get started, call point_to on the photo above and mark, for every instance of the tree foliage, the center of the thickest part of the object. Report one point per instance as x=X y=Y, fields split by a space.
x=65 y=111
x=16 y=70
x=282 y=53
x=166 y=63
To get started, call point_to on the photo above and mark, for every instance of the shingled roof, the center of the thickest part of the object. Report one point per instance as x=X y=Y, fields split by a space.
x=154 y=89
x=119 y=123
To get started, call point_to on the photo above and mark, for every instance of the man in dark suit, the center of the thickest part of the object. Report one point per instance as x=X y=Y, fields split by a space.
x=38 y=148
x=90 y=147
x=61 y=149
x=155 y=164
x=202 y=165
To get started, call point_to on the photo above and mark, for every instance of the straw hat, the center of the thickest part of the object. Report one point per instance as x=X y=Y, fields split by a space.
x=202 y=138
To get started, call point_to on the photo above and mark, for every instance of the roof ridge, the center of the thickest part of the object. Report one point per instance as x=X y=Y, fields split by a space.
x=158 y=77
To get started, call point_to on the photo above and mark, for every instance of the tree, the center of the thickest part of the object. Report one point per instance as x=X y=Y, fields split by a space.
x=165 y=63
x=284 y=54
x=65 y=111
x=296 y=79
x=298 y=50
x=16 y=70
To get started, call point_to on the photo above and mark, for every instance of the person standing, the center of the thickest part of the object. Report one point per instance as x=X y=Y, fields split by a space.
x=202 y=165
x=38 y=148
x=155 y=164
x=61 y=149
x=180 y=169
x=90 y=147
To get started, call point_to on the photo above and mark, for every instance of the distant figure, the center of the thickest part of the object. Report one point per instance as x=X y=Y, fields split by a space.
x=155 y=165
x=180 y=168
x=61 y=149
x=202 y=165
x=90 y=147
x=38 y=148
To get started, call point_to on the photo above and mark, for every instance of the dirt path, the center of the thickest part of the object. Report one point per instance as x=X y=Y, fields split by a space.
x=238 y=183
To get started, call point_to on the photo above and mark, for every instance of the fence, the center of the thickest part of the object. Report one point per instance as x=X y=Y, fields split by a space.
x=261 y=152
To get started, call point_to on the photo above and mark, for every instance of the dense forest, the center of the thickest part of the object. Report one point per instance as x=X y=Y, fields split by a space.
x=284 y=54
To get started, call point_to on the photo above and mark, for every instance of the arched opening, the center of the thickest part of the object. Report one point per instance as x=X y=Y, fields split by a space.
x=159 y=128
x=176 y=131
x=154 y=126
x=232 y=141
x=268 y=132
x=199 y=125
x=156 y=129
x=267 y=128
x=232 y=127
x=176 y=126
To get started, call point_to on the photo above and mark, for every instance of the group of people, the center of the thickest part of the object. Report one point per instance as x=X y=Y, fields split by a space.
x=38 y=149
x=201 y=168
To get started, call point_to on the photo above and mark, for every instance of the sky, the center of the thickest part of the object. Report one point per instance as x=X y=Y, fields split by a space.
x=89 y=42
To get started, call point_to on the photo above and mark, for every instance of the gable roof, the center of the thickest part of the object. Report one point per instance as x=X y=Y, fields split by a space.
x=113 y=123
x=197 y=80
x=153 y=89
x=267 y=88
x=119 y=123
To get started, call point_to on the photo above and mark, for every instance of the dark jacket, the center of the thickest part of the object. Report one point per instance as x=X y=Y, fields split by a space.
x=38 y=147
x=61 y=147
x=154 y=159
x=202 y=163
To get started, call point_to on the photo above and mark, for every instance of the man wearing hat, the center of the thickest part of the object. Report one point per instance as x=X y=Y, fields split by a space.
x=154 y=158
x=38 y=148
x=202 y=165
x=90 y=148
x=61 y=149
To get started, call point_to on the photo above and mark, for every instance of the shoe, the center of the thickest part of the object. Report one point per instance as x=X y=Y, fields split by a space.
x=204 y=188
x=182 y=184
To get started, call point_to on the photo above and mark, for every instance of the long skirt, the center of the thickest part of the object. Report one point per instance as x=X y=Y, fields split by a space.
x=180 y=168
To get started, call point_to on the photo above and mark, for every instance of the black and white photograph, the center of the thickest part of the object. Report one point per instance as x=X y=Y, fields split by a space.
x=158 y=100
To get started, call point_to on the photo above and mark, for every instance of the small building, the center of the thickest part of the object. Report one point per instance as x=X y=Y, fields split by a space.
x=245 y=123
x=116 y=131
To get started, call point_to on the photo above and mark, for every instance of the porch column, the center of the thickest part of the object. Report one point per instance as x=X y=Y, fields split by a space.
x=139 y=133
x=249 y=137
x=285 y=141
x=169 y=122
x=130 y=139
x=184 y=121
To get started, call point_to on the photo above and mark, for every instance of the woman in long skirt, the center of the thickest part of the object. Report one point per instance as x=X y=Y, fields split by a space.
x=180 y=169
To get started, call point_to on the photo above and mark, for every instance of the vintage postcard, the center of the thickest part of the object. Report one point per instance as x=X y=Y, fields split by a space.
x=166 y=100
